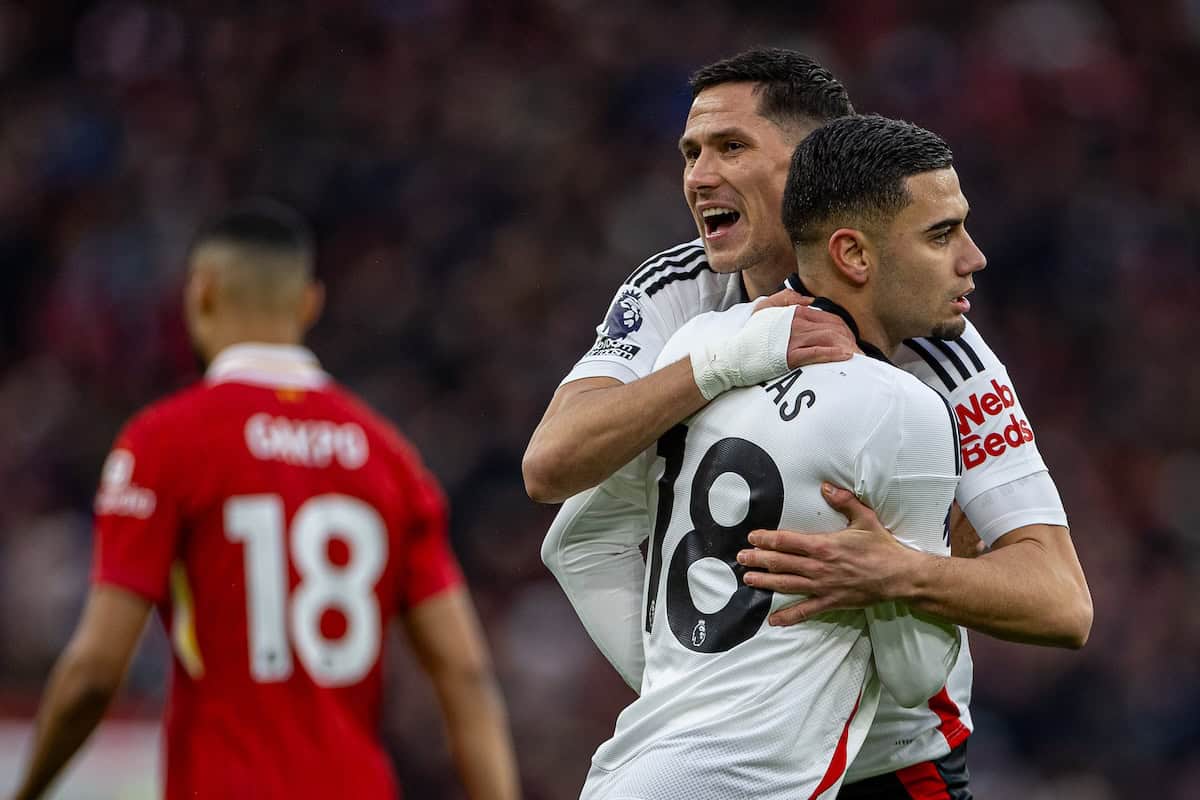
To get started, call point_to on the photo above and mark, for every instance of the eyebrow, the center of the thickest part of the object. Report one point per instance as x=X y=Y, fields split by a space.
x=731 y=132
x=949 y=222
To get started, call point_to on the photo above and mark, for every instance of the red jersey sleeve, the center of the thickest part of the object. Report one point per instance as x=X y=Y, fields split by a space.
x=430 y=566
x=137 y=518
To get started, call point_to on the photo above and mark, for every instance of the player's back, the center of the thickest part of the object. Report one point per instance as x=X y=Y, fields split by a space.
x=300 y=521
x=730 y=706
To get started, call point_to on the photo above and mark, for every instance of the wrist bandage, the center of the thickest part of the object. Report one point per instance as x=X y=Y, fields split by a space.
x=758 y=352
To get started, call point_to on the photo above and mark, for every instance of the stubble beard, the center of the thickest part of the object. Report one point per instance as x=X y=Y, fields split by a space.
x=756 y=255
x=950 y=330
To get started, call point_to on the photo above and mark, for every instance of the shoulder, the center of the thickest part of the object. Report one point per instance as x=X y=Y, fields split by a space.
x=841 y=402
x=947 y=364
x=678 y=282
x=669 y=266
x=174 y=417
x=871 y=395
x=705 y=327
x=861 y=382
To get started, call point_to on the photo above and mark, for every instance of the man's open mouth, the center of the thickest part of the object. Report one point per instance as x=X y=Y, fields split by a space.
x=717 y=221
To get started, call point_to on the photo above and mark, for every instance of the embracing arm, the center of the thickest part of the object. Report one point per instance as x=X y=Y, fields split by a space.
x=595 y=425
x=83 y=682
x=592 y=548
x=1029 y=587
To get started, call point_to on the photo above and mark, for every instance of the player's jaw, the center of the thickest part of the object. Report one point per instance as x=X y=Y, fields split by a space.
x=952 y=322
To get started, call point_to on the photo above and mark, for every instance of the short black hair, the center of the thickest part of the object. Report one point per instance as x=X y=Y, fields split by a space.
x=792 y=87
x=853 y=170
x=259 y=223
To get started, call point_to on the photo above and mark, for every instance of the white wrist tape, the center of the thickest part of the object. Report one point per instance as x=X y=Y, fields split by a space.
x=756 y=353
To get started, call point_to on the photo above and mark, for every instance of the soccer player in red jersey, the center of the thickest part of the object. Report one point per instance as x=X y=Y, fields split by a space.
x=277 y=524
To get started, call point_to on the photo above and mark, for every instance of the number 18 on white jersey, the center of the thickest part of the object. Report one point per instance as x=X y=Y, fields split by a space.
x=730 y=706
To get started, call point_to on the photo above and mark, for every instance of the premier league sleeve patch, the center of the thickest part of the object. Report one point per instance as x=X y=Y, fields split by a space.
x=624 y=316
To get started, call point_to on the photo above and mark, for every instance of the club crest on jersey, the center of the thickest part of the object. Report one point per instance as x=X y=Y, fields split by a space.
x=699 y=634
x=117 y=470
x=625 y=315
x=118 y=495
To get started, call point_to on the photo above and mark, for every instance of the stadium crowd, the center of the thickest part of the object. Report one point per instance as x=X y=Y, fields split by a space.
x=482 y=176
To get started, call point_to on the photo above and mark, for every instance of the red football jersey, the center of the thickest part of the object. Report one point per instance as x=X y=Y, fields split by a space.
x=278 y=525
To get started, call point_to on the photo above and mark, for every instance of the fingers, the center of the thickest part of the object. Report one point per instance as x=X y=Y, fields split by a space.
x=800 y=612
x=800 y=544
x=784 y=297
x=843 y=500
x=814 y=319
x=817 y=337
x=803 y=356
x=776 y=562
x=783 y=583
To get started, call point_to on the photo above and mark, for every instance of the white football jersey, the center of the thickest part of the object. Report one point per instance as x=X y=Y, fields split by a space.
x=660 y=296
x=1004 y=486
x=730 y=706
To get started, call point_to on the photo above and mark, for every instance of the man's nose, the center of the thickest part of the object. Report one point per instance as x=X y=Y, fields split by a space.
x=703 y=173
x=974 y=259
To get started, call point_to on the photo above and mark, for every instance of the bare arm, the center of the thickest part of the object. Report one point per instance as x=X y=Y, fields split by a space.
x=83 y=682
x=1029 y=587
x=445 y=636
x=594 y=426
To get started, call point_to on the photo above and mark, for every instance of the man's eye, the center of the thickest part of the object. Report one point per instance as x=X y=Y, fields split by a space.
x=734 y=146
x=943 y=238
x=690 y=155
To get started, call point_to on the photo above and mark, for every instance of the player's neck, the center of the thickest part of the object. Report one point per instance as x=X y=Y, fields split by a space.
x=269 y=332
x=764 y=279
x=859 y=306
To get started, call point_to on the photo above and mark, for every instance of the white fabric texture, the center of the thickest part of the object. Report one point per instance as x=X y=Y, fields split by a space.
x=1030 y=500
x=592 y=549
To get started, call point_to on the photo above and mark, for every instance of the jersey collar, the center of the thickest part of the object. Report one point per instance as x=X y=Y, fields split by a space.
x=794 y=283
x=270 y=365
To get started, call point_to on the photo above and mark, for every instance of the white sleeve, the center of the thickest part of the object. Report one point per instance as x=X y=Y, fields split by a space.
x=1032 y=500
x=639 y=319
x=592 y=548
x=998 y=442
x=913 y=457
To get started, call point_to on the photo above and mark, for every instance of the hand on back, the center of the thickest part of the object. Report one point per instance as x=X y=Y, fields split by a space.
x=817 y=337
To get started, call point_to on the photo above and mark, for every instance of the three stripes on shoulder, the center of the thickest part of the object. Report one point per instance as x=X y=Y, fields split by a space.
x=680 y=263
x=954 y=351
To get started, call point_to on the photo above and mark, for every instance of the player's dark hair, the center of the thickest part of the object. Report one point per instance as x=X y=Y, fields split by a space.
x=852 y=170
x=792 y=88
x=260 y=223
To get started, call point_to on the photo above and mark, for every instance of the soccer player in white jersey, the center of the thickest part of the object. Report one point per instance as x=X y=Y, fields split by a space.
x=748 y=114
x=731 y=706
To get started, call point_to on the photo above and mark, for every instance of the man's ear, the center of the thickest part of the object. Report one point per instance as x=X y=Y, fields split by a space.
x=201 y=289
x=312 y=304
x=851 y=254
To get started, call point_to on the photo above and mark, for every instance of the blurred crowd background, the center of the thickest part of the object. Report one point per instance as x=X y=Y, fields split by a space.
x=482 y=176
